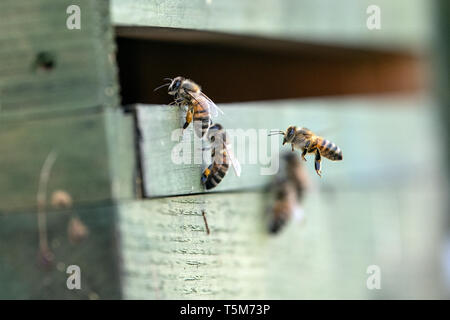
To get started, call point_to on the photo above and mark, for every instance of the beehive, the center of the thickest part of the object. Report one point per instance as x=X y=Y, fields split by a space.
x=146 y=234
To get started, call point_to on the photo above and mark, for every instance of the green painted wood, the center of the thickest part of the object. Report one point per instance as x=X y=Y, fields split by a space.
x=383 y=205
x=23 y=274
x=442 y=64
x=65 y=111
x=81 y=166
x=83 y=75
x=168 y=255
x=122 y=154
x=376 y=137
x=405 y=24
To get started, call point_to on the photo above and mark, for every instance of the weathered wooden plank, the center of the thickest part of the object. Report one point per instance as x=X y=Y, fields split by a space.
x=376 y=137
x=120 y=133
x=83 y=71
x=24 y=274
x=41 y=117
x=81 y=166
x=168 y=255
x=442 y=65
x=404 y=24
x=95 y=158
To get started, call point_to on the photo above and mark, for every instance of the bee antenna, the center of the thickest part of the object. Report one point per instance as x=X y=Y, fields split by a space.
x=170 y=79
x=274 y=132
x=164 y=85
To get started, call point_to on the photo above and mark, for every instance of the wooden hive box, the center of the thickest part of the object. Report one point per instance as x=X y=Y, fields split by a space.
x=143 y=212
x=58 y=96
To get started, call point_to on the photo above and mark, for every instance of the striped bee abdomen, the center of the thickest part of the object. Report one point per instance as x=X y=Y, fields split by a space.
x=329 y=150
x=202 y=119
x=214 y=174
x=216 y=171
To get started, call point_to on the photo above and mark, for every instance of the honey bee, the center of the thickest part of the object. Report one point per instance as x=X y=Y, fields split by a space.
x=200 y=108
x=308 y=142
x=288 y=187
x=201 y=116
x=221 y=155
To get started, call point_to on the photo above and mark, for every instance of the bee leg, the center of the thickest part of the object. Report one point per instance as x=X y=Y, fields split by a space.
x=292 y=145
x=317 y=162
x=304 y=154
x=189 y=116
x=178 y=102
x=305 y=150
x=206 y=174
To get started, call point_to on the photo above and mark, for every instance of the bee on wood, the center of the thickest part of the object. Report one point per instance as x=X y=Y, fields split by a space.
x=288 y=188
x=305 y=140
x=200 y=108
x=221 y=155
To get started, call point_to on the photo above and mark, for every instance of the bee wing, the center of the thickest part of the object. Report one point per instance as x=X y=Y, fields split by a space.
x=201 y=97
x=234 y=162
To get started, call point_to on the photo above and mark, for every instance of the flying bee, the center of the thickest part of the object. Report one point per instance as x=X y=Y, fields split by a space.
x=221 y=155
x=305 y=140
x=296 y=174
x=288 y=188
x=200 y=108
x=284 y=206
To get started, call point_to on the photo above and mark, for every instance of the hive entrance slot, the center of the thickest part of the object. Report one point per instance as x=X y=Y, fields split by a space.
x=234 y=68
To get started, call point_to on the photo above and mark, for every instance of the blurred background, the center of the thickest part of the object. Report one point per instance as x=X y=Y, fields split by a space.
x=86 y=176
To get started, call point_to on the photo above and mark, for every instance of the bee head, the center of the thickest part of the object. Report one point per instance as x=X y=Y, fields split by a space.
x=289 y=135
x=175 y=85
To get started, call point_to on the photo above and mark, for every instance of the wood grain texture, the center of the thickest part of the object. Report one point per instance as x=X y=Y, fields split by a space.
x=404 y=23
x=167 y=254
x=120 y=133
x=374 y=134
x=81 y=167
x=83 y=73
x=23 y=273
x=61 y=108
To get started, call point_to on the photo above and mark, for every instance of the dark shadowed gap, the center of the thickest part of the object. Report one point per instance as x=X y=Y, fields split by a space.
x=241 y=68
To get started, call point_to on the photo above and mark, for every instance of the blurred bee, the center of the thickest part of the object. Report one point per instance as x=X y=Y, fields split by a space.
x=200 y=107
x=308 y=142
x=288 y=187
x=221 y=155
